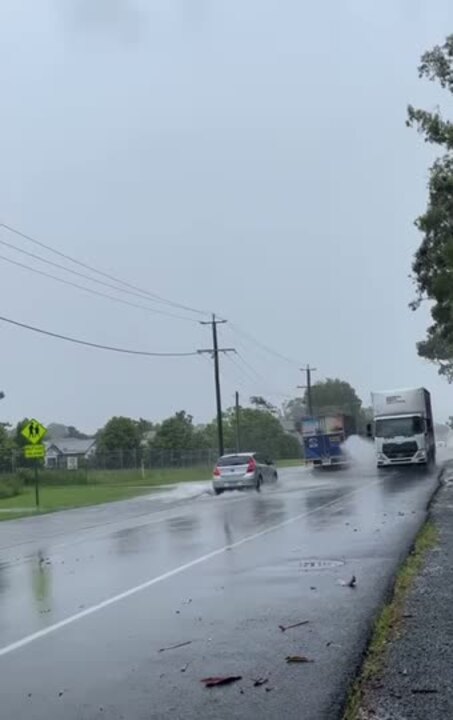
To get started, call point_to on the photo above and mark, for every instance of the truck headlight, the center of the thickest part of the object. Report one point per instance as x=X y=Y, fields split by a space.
x=420 y=455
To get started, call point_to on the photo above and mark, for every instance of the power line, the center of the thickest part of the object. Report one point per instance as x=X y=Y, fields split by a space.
x=95 y=292
x=155 y=296
x=264 y=347
x=95 y=345
x=256 y=377
x=77 y=273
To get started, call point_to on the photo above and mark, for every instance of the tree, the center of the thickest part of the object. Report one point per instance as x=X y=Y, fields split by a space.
x=175 y=433
x=261 y=403
x=262 y=432
x=295 y=410
x=119 y=433
x=6 y=449
x=334 y=395
x=433 y=261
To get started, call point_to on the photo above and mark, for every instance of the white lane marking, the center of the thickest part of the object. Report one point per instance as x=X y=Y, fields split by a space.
x=28 y=639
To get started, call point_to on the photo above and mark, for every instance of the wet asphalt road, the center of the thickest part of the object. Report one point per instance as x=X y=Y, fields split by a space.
x=89 y=597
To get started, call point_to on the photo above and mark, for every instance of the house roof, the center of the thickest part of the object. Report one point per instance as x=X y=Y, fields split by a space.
x=73 y=446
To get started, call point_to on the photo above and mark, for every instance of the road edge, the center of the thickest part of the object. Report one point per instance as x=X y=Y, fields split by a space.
x=383 y=625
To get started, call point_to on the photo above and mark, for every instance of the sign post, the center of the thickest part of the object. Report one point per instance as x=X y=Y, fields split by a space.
x=34 y=432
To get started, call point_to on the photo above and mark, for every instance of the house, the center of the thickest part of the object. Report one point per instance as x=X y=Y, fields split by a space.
x=69 y=453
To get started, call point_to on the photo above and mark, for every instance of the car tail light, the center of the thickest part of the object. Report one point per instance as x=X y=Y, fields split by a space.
x=216 y=472
x=251 y=467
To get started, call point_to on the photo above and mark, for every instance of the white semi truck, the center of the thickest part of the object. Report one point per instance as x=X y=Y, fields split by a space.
x=403 y=427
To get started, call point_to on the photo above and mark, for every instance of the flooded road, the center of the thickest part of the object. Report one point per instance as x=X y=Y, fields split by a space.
x=90 y=598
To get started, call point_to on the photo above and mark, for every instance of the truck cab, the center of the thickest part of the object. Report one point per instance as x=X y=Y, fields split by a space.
x=403 y=427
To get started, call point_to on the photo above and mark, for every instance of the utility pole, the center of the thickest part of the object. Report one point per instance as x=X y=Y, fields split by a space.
x=214 y=352
x=308 y=370
x=238 y=431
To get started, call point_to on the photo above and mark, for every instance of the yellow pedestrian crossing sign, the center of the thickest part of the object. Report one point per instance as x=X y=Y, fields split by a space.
x=34 y=432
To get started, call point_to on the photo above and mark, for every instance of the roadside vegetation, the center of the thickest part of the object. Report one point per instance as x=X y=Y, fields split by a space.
x=64 y=489
x=389 y=623
x=133 y=457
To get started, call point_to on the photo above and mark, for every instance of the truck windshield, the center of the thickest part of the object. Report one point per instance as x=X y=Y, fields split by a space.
x=399 y=427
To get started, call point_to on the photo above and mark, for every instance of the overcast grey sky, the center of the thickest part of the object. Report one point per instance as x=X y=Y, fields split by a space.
x=244 y=156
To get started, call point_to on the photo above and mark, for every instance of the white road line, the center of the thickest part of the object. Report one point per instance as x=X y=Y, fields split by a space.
x=28 y=639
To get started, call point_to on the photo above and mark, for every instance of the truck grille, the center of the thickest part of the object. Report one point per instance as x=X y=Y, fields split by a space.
x=399 y=450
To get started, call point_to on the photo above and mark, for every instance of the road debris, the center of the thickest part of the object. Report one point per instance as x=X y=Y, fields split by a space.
x=184 y=667
x=260 y=681
x=284 y=628
x=423 y=691
x=221 y=680
x=298 y=659
x=178 y=645
x=352 y=583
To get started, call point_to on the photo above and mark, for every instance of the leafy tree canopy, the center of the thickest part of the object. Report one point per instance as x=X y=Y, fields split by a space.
x=261 y=403
x=119 y=433
x=433 y=262
x=175 y=433
x=334 y=395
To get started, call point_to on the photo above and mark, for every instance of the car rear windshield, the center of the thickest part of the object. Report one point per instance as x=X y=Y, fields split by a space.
x=234 y=460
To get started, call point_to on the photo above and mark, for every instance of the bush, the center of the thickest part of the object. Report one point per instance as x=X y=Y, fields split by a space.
x=10 y=485
x=54 y=477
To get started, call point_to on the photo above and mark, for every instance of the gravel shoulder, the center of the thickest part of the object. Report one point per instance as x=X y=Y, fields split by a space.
x=417 y=681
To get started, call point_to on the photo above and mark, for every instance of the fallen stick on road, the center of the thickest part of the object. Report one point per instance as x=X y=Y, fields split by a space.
x=215 y=681
x=298 y=659
x=174 y=647
x=284 y=628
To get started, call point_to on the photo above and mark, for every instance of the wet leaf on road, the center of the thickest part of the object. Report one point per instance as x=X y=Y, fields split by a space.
x=260 y=681
x=221 y=680
x=284 y=628
x=352 y=583
x=298 y=659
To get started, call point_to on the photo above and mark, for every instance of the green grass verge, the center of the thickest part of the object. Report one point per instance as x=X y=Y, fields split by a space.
x=290 y=463
x=165 y=476
x=77 y=489
x=389 y=621
x=60 y=497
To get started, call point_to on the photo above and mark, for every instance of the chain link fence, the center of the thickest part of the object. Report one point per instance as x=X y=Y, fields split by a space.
x=140 y=460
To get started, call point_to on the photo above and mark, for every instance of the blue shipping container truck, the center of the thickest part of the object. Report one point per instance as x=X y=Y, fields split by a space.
x=323 y=438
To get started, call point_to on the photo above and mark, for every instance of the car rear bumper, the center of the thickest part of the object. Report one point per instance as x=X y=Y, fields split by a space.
x=233 y=484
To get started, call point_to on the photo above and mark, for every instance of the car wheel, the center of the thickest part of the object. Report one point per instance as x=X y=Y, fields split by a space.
x=259 y=481
x=218 y=491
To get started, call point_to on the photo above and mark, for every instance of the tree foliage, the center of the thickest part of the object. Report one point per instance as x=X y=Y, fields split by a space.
x=334 y=395
x=261 y=403
x=262 y=432
x=120 y=433
x=433 y=262
x=294 y=410
x=175 y=433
